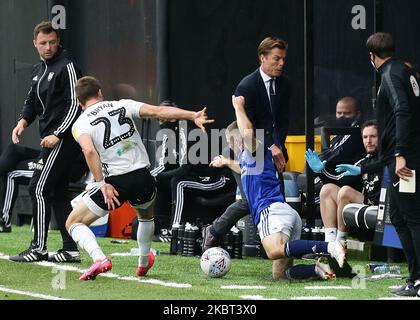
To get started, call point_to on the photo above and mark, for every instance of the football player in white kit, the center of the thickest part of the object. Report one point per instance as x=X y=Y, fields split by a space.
x=118 y=160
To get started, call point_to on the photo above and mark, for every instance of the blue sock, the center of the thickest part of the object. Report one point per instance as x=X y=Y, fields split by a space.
x=298 y=248
x=301 y=271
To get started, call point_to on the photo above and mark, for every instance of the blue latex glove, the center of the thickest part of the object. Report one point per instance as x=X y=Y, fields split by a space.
x=314 y=162
x=348 y=169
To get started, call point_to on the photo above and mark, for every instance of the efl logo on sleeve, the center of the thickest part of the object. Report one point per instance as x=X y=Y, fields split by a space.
x=415 y=86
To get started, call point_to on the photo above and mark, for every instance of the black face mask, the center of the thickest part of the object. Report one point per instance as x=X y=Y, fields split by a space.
x=345 y=122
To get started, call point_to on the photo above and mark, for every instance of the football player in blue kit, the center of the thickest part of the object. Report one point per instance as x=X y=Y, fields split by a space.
x=279 y=225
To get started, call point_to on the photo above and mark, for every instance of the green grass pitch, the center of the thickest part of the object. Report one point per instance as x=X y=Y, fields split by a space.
x=171 y=278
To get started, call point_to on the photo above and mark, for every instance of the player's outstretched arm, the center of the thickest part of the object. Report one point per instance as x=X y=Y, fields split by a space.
x=200 y=118
x=220 y=162
x=244 y=124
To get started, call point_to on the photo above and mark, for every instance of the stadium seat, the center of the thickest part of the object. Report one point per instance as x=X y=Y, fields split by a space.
x=291 y=175
x=293 y=195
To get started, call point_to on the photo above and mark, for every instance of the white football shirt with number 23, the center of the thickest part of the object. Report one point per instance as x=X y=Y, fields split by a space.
x=111 y=126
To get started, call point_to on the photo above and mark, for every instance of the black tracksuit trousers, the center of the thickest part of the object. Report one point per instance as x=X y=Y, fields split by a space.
x=15 y=169
x=405 y=216
x=48 y=187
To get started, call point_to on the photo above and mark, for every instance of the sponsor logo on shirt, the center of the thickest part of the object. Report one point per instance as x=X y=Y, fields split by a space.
x=36 y=166
x=415 y=86
x=127 y=146
x=50 y=76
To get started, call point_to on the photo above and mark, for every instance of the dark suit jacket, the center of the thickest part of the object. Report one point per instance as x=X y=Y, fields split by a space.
x=276 y=123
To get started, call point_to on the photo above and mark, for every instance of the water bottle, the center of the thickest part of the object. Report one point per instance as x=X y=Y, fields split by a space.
x=306 y=233
x=371 y=266
x=190 y=241
x=237 y=244
x=174 y=240
x=322 y=234
x=316 y=234
x=180 y=242
x=386 y=268
x=228 y=243
x=250 y=238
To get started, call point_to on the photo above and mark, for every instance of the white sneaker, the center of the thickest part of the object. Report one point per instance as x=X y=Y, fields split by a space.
x=338 y=252
x=323 y=269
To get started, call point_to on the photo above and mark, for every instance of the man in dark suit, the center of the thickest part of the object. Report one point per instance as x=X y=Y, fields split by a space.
x=267 y=96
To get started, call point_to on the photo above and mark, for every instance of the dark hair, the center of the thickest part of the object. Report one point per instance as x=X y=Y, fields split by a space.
x=370 y=123
x=86 y=88
x=45 y=27
x=381 y=44
x=270 y=43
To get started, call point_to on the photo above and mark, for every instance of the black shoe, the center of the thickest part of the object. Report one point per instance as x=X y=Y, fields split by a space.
x=30 y=255
x=65 y=256
x=410 y=290
x=4 y=228
x=346 y=271
x=315 y=256
x=402 y=288
x=209 y=240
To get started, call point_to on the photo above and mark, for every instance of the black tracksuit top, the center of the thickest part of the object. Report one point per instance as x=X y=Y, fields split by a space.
x=52 y=96
x=398 y=113
x=372 y=171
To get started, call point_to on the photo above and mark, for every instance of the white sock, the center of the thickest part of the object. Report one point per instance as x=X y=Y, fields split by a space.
x=331 y=246
x=145 y=233
x=342 y=235
x=330 y=234
x=86 y=239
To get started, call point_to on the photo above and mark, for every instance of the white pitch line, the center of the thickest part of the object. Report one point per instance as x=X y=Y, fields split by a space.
x=328 y=288
x=158 y=282
x=31 y=294
x=235 y=287
x=108 y=274
x=313 y=298
x=256 y=298
x=385 y=276
x=58 y=267
x=121 y=254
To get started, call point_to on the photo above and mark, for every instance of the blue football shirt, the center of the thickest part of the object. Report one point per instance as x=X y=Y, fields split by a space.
x=260 y=182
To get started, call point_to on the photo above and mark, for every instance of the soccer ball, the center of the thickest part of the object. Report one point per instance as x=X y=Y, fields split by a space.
x=215 y=262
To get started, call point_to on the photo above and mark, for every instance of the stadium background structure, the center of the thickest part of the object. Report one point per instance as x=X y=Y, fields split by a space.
x=152 y=50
